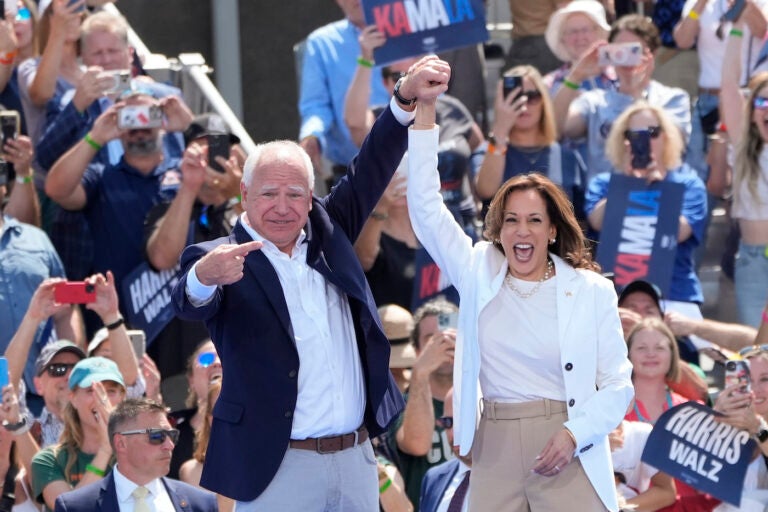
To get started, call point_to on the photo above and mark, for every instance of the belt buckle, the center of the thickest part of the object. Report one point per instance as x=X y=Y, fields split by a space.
x=320 y=450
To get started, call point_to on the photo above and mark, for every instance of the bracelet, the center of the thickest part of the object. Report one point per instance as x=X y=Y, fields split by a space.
x=96 y=471
x=385 y=485
x=570 y=85
x=23 y=180
x=95 y=145
x=573 y=437
x=7 y=58
x=693 y=15
x=379 y=215
x=114 y=325
x=736 y=32
x=493 y=150
x=399 y=97
x=14 y=427
x=365 y=62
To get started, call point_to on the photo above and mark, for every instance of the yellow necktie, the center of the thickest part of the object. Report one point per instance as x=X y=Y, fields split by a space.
x=139 y=499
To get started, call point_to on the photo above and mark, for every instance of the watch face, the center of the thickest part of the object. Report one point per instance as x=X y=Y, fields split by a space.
x=762 y=435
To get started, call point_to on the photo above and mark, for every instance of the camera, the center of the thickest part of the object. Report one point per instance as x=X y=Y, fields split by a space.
x=132 y=117
x=620 y=54
x=74 y=292
x=121 y=81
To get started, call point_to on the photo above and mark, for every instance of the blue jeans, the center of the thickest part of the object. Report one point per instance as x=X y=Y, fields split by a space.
x=751 y=283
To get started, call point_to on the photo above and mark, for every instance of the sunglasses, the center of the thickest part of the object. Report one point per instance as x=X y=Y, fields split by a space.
x=206 y=359
x=58 y=369
x=760 y=103
x=155 y=436
x=752 y=350
x=533 y=96
x=23 y=14
x=445 y=421
x=652 y=131
x=395 y=75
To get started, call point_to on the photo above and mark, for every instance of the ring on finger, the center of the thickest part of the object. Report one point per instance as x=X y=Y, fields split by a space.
x=557 y=468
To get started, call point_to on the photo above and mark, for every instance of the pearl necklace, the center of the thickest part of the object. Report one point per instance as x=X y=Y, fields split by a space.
x=509 y=280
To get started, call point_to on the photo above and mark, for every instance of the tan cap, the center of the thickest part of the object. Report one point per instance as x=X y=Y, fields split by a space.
x=398 y=325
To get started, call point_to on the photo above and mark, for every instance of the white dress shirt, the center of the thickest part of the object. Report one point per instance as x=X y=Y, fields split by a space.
x=157 y=499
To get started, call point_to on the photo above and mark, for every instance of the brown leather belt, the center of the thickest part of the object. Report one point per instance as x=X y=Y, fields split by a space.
x=707 y=90
x=331 y=444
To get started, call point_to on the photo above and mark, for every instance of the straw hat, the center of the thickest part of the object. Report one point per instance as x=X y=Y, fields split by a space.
x=398 y=325
x=591 y=8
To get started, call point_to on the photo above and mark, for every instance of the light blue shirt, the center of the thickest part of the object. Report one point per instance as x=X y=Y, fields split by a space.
x=330 y=60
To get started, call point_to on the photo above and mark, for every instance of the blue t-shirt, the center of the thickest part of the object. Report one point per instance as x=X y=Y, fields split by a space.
x=685 y=285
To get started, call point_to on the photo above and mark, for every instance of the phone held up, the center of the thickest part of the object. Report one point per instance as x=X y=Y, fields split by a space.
x=510 y=83
x=737 y=372
x=640 y=144
x=447 y=321
x=620 y=54
x=218 y=145
x=133 y=117
x=74 y=292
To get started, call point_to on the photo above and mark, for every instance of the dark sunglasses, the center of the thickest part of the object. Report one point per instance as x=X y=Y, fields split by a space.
x=155 y=436
x=760 y=103
x=445 y=421
x=533 y=96
x=395 y=75
x=752 y=350
x=653 y=132
x=58 y=369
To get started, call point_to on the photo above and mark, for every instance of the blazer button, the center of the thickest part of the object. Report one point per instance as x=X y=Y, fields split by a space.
x=568 y=367
x=292 y=374
x=289 y=414
x=571 y=402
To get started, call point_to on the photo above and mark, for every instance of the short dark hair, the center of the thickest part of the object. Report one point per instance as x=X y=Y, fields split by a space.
x=129 y=409
x=642 y=26
x=432 y=308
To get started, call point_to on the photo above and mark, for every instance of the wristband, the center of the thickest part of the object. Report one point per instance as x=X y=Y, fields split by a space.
x=379 y=215
x=365 y=62
x=693 y=15
x=399 y=98
x=96 y=471
x=14 y=427
x=114 y=325
x=493 y=150
x=23 y=180
x=95 y=145
x=385 y=485
x=570 y=85
x=7 y=58
x=736 y=32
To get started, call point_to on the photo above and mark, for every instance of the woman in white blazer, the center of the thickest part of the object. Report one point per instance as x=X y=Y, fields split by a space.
x=539 y=339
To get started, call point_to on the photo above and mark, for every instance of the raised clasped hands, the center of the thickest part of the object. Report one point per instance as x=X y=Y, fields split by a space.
x=225 y=263
x=426 y=79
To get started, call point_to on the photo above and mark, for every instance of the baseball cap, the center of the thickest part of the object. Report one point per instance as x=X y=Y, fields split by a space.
x=646 y=287
x=98 y=338
x=51 y=350
x=208 y=124
x=94 y=369
x=398 y=325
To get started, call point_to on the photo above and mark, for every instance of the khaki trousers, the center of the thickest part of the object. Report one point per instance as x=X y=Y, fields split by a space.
x=509 y=438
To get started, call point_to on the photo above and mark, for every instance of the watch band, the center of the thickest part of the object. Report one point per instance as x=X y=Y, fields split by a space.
x=761 y=436
x=399 y=98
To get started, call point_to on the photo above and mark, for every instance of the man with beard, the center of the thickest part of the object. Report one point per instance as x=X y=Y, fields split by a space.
x=117 y=197
x=419 y=436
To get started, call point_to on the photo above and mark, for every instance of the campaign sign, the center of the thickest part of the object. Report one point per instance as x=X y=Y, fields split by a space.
x=416 y=27
x=639 y=235
x=146 y=298
x=429 y=282
x=687 y=443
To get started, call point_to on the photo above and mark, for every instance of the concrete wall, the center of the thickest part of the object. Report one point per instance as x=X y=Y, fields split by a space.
x=268 y=31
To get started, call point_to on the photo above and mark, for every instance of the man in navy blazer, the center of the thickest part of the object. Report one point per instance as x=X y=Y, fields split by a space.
x=306 y=378
x=142 y=440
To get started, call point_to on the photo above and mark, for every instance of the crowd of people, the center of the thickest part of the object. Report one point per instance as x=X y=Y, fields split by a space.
x=432 y=334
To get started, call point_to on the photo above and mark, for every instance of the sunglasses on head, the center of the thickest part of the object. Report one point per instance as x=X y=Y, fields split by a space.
x=445 y=421
x=653 y=132
x=59 y=369
x=752 y=350
x=760 y=103
x=23 y=14
x=206 y=359
x=155 y=436
x=533 y=96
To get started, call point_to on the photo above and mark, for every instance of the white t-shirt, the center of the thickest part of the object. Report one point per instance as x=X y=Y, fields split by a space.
x=626 y=460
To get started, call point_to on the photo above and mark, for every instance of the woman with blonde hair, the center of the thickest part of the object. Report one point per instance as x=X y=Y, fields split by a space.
x=524 y=139
x=664 y=165
x=538 y=334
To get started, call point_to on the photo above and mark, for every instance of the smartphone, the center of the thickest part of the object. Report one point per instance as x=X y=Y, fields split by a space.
x=218 y=145
x=620 y=54
x=74 y=292
x=4 y=378
x=5 y=173
x=10 y=123
x=640 y=144
x=121 y=81
x=139 y=341
x=81 y=8
x=737 y=372
x=510 y=83
x=447 y=321
x=132 y=117
x=735 y=11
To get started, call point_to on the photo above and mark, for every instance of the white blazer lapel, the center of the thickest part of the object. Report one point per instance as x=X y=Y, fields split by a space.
x=568 y=284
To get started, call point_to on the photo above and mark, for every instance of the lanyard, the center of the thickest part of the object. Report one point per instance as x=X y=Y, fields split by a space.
x=642 y=418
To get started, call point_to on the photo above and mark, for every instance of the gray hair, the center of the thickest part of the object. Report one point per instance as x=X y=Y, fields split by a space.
x=282 y=148
x=106 y=22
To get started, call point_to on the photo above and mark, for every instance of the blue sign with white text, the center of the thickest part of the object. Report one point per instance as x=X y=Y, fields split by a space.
x=416 y=27
x=688 y=443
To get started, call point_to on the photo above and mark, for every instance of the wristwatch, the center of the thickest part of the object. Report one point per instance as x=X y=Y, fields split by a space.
x=399 y=98
x=762 y=432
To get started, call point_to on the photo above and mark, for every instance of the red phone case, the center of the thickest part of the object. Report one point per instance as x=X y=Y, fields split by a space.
x=74 y=292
